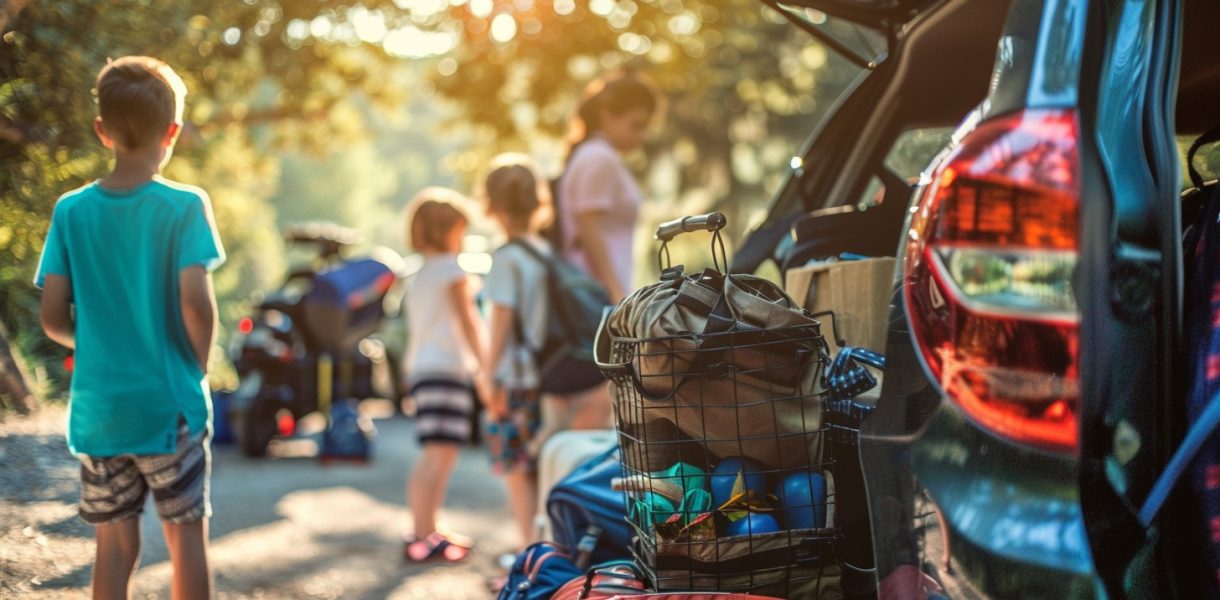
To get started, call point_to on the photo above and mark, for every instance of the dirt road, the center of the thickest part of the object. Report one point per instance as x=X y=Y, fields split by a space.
x=283 y=527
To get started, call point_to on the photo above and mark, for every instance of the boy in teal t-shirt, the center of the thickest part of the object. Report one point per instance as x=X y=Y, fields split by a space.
x=132 y=253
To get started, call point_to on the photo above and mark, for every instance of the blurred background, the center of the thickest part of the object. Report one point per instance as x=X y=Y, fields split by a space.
x=341 y=110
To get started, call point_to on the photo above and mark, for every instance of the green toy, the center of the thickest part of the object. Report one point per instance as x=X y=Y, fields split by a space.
x=686 y=475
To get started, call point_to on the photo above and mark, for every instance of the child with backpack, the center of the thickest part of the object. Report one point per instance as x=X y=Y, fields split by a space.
x=446 y=343
x=516 y=289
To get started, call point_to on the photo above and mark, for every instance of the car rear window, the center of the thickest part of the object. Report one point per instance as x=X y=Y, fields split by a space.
x=1207 y=160
x=914 y=149
x=869 y=45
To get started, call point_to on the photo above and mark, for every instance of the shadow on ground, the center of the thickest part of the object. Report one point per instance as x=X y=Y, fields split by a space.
x=282 y=528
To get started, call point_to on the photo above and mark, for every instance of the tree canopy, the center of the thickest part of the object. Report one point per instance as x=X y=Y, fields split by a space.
x=341 y=108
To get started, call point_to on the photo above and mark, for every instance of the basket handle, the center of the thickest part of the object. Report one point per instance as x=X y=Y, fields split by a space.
x=601 y=348
x=712 y=221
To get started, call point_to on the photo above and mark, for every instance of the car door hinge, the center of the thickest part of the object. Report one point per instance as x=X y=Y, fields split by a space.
x=1135 y=282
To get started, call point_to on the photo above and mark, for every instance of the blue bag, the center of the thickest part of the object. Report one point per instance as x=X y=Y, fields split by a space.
x=539 y=571
x=583 y=499
x=222 y=433
x=347 y=437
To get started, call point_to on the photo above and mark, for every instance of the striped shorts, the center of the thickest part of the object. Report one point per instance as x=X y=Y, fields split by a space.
x=444 y=411
x=114 y=488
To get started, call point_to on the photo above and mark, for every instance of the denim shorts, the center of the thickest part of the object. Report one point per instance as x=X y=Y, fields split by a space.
x=115 y=488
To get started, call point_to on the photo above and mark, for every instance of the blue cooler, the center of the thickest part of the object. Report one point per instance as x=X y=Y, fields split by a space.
x=344 y=305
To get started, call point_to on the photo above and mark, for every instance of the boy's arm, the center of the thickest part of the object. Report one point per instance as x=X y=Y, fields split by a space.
x=500 y=323
x=55 y=310
x=198 y=304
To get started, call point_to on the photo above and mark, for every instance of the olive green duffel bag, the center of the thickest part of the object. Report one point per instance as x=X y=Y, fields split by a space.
x=727 y=361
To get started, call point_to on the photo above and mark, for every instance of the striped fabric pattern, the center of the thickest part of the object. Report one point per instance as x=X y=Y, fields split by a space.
x=847 y=378
x=115 y=488
x=443 y=411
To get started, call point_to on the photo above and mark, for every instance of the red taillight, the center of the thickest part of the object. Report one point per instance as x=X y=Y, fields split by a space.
x=285 y=424
x=245 y=325
x=989 y=261
x=69 y=363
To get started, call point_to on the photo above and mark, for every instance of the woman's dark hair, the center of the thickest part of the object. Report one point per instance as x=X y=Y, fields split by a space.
x=616 y=93
x=515 y=189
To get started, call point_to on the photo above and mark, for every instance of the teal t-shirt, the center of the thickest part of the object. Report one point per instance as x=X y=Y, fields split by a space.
x=135 y=373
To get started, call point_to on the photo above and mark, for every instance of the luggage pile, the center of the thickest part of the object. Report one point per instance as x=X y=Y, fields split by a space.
x=722 y=412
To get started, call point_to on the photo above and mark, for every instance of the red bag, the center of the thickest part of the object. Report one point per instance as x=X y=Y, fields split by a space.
x=621 y=581
x=602 y=582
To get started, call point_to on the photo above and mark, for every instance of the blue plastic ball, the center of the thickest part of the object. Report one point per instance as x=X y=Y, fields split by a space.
x=725 y=475
x=753 y=524
x=802 y=497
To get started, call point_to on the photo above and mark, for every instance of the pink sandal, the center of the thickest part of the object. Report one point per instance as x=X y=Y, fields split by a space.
x=435 y=546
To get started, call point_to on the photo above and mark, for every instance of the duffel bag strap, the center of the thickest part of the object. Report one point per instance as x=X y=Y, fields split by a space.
x=697 y=294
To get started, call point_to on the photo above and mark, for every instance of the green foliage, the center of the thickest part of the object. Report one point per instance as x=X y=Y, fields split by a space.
x=321 y=109
x=744 y=88
x=915 y=149
x=1207 y=161
x=250 y=85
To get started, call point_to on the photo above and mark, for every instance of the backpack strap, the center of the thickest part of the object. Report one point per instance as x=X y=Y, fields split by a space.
x=530 y=250
x=1208 y=137
x=548 y=262
x=1200 y=431
x=611 y=569
x=545 y=261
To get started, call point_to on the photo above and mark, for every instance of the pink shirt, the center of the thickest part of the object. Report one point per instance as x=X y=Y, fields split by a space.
x=596 y=180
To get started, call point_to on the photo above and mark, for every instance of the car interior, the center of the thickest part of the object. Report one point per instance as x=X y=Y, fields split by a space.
x=833 y=199
x=828 y=202
x=1199 y=74
x=846 y=194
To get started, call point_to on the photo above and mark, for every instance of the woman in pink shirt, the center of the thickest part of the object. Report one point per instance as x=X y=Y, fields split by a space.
x=598 y=208
x=599 y=200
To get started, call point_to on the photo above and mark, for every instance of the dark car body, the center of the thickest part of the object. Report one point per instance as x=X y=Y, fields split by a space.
x=955 y=507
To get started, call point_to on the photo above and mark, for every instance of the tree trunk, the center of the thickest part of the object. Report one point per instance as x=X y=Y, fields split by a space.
x=15 y=391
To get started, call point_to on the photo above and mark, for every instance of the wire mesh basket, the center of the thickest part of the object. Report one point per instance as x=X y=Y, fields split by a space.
x=724 y=436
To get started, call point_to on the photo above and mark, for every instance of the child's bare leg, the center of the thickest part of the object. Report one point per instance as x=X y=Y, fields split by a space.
x=445 y=467
x=522 y=500
x=428 y=483
x=188 y=554
x=592 y=409
x=118 y=553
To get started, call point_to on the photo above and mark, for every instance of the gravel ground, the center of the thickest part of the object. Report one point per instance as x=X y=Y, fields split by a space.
x=283 y=528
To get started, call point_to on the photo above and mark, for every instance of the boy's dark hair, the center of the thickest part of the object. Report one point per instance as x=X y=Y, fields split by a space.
x=515 y=189
x=138 y=98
